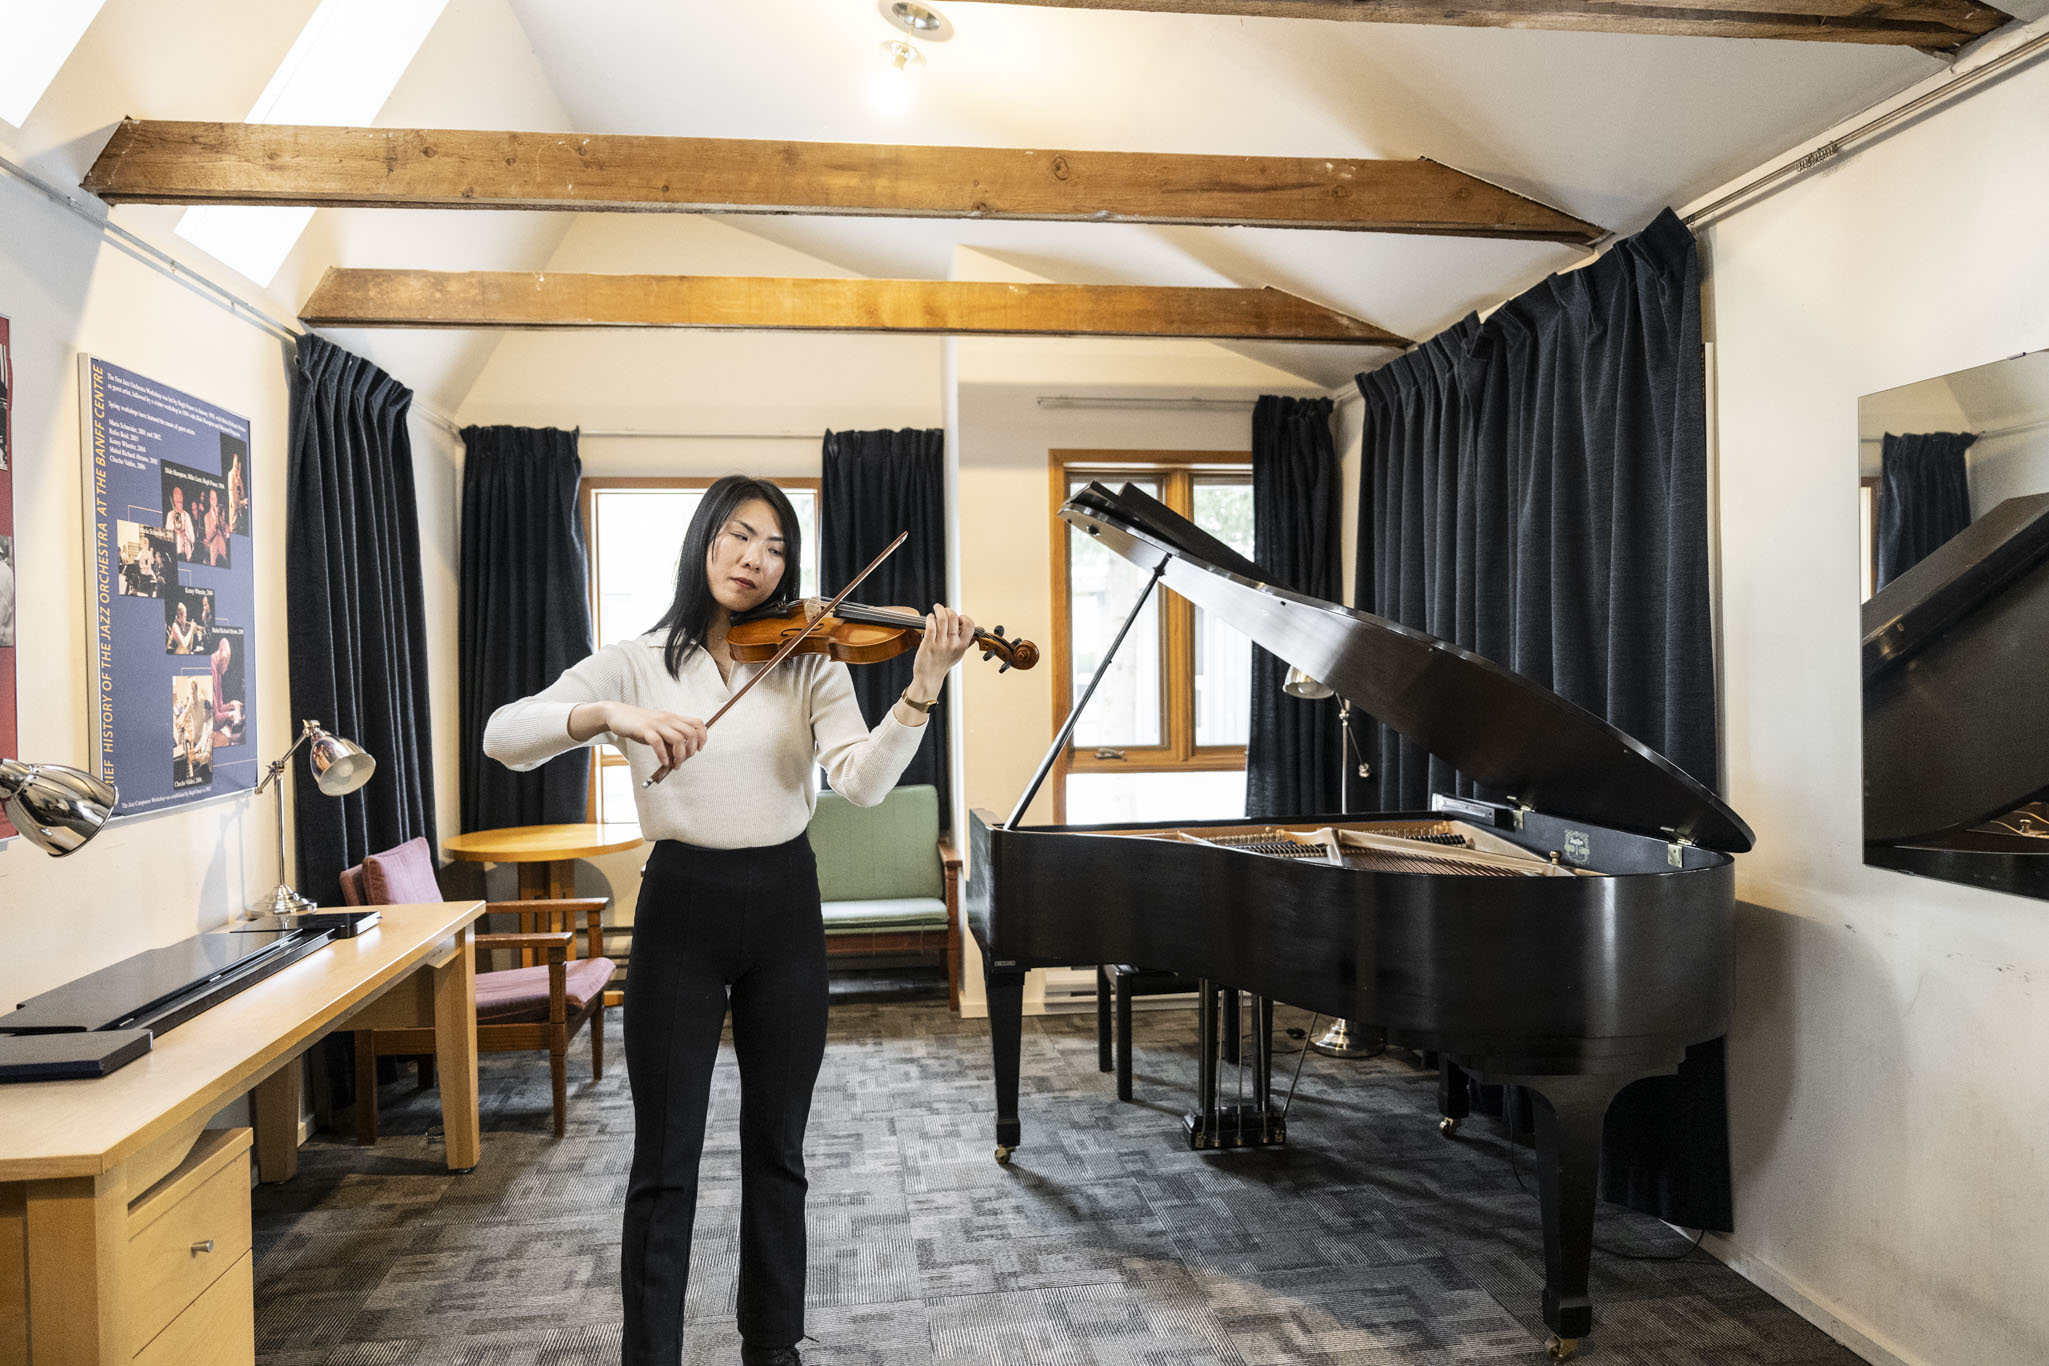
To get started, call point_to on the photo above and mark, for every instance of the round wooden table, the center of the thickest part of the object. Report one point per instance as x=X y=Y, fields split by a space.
x=546 y=854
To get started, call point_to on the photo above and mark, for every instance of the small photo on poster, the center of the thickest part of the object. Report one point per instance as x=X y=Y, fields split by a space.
x=191 y=730
x=6 y=592
x=196 y=515
x=145 y=560
x=188 y=616
x=230 y=696
x=235 y=474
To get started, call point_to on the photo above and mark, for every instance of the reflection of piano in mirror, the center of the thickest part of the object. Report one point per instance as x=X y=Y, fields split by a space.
x=1571 y=939
x=1956 y=707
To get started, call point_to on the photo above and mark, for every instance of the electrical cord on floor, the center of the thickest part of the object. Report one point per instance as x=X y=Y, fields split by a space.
x=1515 y=1169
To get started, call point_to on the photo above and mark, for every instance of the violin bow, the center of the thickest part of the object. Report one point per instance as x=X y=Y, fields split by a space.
x=809 y=627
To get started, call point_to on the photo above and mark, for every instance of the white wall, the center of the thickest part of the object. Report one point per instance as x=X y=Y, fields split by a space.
x=151 y=880
x=1891 y=1033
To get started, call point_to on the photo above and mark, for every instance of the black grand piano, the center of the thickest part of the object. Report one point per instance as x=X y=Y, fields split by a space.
x=1954 y=740
x=1570 y=938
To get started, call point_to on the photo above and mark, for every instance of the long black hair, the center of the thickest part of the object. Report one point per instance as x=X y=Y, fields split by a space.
x=690 y=611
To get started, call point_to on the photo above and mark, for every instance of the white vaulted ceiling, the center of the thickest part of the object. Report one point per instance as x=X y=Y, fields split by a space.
x=1610 y=128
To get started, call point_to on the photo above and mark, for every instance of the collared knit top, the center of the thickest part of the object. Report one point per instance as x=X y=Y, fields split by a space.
x=752 y=782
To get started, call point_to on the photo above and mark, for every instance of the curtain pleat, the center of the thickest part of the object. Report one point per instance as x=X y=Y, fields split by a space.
x=524 y=613
x=356 y=629
x=1534 y=488
x=1292 y=761
x=1924 y=497
x=874 y=485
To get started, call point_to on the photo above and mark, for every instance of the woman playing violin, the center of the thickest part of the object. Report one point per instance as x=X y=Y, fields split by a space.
x=729 y=902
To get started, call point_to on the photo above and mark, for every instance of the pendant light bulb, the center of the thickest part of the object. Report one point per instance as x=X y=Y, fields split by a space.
x=891 y=86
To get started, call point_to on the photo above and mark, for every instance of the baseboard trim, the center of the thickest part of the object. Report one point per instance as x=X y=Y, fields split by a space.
x=1808 y=1305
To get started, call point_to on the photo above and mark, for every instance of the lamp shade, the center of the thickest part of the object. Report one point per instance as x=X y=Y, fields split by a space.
x=339 y=766
x=57 y=808
x=1300 y=684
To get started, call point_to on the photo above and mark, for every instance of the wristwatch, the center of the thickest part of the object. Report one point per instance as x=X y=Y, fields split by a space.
x=915 y=705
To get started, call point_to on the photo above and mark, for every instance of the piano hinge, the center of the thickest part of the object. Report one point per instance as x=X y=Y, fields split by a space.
x=1675 y=851
x=1522 y=808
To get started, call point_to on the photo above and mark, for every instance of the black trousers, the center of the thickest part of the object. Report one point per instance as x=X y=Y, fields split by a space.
x=714 y=925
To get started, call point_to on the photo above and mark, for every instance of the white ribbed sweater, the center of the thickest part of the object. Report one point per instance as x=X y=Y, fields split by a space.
x=752 y=784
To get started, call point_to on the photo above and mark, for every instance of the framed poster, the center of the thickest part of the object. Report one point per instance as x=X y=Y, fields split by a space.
x=172 y=591
x=8 y=559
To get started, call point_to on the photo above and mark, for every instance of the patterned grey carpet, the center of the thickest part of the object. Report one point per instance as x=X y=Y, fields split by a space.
x=1368 y=1241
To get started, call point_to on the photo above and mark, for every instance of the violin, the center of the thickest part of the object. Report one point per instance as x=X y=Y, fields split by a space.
x=855 y=634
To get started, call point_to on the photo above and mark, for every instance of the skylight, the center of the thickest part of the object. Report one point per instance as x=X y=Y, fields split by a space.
x=346 y=63
x=38 y=40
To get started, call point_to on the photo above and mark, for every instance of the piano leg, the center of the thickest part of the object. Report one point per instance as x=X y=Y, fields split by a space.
x=1206 y=1063
x=1005 y=990
x=1569 y=1112
x=1105 y=1043
x=1454 y=1100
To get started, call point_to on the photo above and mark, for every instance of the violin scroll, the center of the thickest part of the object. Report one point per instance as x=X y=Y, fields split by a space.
x=1016 y=654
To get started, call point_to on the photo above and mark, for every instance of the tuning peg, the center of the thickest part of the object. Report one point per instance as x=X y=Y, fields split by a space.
x=997 y=631
x=987 y=653
x=1005 y=668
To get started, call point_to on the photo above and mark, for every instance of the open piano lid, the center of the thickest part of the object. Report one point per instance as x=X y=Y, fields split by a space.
x=1954 y=670
x=1495 y=726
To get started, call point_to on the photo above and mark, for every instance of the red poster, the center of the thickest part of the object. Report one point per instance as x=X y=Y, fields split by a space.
x=8 y=749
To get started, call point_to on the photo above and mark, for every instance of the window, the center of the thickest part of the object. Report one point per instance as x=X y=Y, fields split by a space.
x=633 y=529
x=1164 y=735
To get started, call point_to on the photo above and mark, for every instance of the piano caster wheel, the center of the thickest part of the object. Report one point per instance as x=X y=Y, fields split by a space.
x=1002 y=1155
x=1560 y=1348
x=1449 y=1128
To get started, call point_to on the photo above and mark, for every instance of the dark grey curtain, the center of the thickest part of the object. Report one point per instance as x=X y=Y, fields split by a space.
x=1291 y=755
x=1924 y=497
x=524 y=614
x=356 y=632
x=1534 y=488
x=874 y=485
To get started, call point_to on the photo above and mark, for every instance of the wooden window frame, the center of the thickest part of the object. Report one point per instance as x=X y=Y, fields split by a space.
x=604 y=756
x=1178 y=472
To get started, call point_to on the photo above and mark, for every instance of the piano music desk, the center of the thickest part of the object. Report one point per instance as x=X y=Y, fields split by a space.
x=114 y=1202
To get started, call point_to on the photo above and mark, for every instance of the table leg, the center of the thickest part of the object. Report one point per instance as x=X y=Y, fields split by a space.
x=274 y=1113
x=455 y=1053
x=551 y=880
x=76 y=1243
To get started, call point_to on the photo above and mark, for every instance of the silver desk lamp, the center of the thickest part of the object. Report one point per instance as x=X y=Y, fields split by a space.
x=56 y=808
x=339 y=768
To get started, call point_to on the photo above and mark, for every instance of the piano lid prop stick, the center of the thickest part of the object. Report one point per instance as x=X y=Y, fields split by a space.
x=794 y=641
x=1067 y=726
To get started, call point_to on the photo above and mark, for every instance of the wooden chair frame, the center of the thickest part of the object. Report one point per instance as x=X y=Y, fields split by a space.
x=556 y=946
x=946 y=945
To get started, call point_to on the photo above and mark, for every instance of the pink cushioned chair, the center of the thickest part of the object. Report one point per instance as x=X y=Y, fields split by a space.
x=538 y=1006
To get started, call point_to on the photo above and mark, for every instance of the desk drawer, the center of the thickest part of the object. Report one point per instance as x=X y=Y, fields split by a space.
x=217 y=1329
x=170 y=1266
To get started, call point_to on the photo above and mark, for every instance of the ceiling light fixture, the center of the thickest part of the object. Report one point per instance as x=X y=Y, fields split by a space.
x=891 y=87
x=921 y=22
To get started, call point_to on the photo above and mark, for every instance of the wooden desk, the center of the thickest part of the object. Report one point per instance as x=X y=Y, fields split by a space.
x=546 y=854
x=109 y=1187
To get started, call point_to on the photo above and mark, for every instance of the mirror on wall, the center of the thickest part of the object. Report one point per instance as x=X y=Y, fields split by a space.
x=1954 y=517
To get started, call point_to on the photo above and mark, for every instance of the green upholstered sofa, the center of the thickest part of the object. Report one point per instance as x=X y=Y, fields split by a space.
x=890 y=883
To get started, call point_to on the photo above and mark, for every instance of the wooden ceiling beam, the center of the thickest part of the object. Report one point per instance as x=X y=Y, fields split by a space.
x=158 y=162
x=1932 y=25
x=540 y=300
